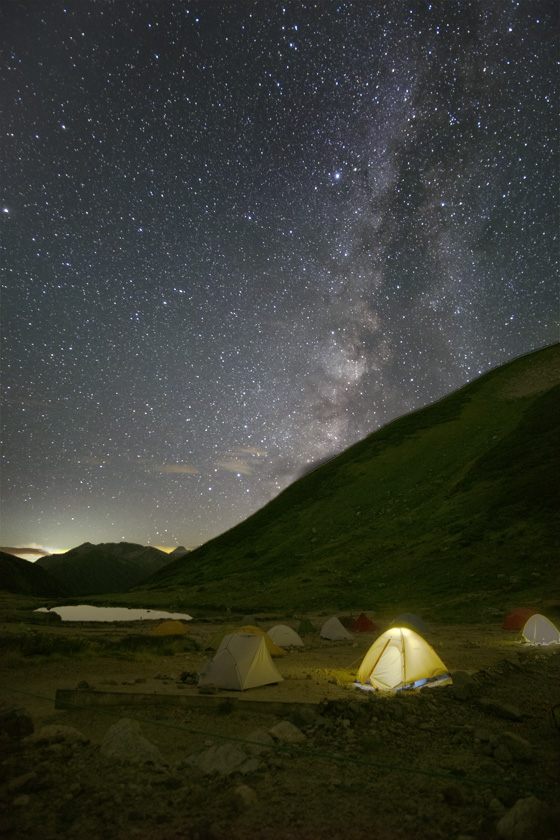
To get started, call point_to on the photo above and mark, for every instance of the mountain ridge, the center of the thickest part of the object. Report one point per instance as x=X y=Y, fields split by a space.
x=104 y=568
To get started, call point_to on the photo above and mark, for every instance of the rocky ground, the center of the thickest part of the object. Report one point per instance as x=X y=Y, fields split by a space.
x=478 y=758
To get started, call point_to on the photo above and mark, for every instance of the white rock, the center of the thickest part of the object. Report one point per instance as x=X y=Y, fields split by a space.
x=287 y=733
x=125 y=742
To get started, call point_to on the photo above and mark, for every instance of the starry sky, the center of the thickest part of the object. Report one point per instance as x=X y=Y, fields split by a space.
x=237 y=237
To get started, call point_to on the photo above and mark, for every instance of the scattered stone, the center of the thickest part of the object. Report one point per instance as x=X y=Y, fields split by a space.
x=484 y=736
x=503 y=710
x=260 y=741
x=16 y=723
x=518 y=747
x=303 y=718
x=125 y=742
x=287 y=733
x=246 y=798
x=502 y=754
x=189 y=678
x=59 y=734
x=463 y=686
x=453 y=796
x=21 y=782
x=529 y=819
x=223 y=759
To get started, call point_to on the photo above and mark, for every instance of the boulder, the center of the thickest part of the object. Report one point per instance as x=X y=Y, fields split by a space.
x=529 y=819
x=287 y=733
x=463 y=686
x=503 y=710
x=518 y=747
x=16 y=723
x=59 y=734
x=125 y=742
x=223 y=760
x=259 y=741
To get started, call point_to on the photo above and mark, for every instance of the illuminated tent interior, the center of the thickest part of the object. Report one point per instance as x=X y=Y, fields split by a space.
x=399 y=658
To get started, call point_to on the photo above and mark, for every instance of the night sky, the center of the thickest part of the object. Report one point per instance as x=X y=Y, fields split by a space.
x=238 y=237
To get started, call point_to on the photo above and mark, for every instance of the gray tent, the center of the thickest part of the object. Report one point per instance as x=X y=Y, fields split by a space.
x=242 y=661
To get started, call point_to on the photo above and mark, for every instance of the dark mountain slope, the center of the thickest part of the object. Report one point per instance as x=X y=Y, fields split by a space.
x=24 y=578
x=455 y=503
x=107 y=567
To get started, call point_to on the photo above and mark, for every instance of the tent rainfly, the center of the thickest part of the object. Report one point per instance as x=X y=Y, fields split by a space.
x=516 y=619
x=242 y=661
x=284 y=636
x=362 y=624
x=538 y=630
x=399 y=658
x=334 y=630
x=172 y=627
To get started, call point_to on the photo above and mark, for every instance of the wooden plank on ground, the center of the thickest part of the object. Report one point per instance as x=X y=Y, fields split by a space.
x=85 y=699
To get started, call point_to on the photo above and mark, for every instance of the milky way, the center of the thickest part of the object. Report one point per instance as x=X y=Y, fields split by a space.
x=238 y=237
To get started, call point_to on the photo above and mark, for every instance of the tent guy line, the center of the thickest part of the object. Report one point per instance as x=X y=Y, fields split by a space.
x=304 y=753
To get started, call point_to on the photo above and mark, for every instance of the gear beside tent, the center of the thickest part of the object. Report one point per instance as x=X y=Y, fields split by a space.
x=242 y=661
x=399 y=658
x=334 y=630
x=172 y=627
x=538 y=630
x=284 y=636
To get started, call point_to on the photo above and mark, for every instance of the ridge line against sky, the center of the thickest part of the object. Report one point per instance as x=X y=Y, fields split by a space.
x=237 y=237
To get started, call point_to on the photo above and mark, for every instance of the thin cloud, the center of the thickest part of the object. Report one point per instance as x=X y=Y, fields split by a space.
x=181 y=469
x=236 y=466
x=17 y=552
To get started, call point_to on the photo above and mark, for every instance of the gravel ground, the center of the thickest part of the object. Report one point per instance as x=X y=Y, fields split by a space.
x=475 y=759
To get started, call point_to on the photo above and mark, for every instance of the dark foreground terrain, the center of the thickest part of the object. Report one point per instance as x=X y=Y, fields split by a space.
x=475 y=759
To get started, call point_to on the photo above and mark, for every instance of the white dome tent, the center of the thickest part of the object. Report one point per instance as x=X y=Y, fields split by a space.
x=284 y=636
x=242 y=661
x=538 y=630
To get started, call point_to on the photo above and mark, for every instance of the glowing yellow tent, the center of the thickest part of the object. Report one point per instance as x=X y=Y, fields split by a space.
x=172 y=627
x=399 y=657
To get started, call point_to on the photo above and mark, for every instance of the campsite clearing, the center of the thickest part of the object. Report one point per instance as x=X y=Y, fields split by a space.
x=457 y=759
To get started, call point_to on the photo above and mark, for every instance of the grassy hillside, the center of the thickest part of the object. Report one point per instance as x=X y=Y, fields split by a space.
x=450 y=509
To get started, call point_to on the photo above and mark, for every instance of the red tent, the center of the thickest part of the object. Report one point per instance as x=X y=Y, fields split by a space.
x=516 y=619
x=362 y=625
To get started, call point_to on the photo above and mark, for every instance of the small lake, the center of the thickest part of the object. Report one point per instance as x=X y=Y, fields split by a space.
x=83 y=612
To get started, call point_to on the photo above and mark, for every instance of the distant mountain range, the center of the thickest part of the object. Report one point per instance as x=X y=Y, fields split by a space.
x=85 y=570
x=453 y=507
x=106 y=567
x=24 y=578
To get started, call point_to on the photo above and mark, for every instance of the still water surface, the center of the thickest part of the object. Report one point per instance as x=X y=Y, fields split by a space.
x=83 y=612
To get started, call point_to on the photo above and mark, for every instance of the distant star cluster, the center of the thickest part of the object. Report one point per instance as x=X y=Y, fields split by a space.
x=237 y=237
